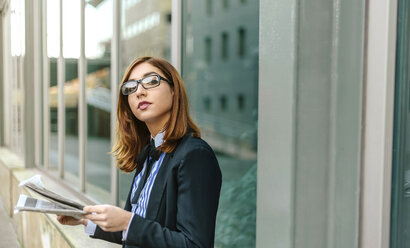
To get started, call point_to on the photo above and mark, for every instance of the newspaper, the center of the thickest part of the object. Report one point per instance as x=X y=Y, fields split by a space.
x=57 y=204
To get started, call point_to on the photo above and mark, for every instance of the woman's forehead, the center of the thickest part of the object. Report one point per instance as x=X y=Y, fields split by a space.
x=142 y=70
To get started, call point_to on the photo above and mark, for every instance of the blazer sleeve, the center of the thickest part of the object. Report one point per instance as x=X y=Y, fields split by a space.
x=114 y=237
x=199 y=182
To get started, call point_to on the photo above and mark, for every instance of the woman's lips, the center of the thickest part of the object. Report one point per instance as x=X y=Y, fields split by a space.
x=143 y=105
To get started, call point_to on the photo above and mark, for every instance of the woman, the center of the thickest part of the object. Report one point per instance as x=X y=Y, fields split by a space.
x=174 y=196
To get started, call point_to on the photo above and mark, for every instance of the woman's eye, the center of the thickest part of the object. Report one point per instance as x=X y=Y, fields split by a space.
x=153 y=81
x=131 y=84
x=150 y=81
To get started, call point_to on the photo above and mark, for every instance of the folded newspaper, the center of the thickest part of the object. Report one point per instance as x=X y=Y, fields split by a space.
x=56 y=204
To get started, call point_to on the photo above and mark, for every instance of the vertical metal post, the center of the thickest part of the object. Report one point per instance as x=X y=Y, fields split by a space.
x=378 y=126
x=82 y=104
x=176 y=34
x=115 y=65
x=37 y=81
x=275 y=218
x=61 y=103
x=46 y=86
x=1 y=81
x=25 y=80
x=5 y=100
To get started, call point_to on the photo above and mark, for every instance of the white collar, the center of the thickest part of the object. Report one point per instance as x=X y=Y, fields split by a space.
x=159 y=138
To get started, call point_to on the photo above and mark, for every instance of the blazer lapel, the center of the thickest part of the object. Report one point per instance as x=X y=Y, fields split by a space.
x=158 y=188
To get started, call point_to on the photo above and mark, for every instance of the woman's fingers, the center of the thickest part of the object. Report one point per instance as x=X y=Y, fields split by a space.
x=96 y=209
x=109 y=218
x=60 y=219
x=95 y=217
x=68 y=220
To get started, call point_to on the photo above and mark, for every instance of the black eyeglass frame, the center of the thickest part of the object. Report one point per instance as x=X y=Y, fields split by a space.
x=140 y=80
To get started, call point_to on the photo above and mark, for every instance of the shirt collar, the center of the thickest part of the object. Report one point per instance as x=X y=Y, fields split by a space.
x=159 y=138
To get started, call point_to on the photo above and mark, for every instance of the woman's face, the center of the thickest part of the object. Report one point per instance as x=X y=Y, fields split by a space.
x=152 y=106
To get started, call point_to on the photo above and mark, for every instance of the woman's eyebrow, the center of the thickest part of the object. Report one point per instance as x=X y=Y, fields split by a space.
x=149 y=73
x=145 y=74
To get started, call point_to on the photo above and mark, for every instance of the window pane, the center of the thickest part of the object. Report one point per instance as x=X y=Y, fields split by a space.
x=71 y=88
x=223 y=92
x=71 y=51
x=98 y=32
x=145 y=31
x=53 y=44
x=53 y=28
x=400 y=218
x=53 y=101
x=14 y=74
x=71 y=28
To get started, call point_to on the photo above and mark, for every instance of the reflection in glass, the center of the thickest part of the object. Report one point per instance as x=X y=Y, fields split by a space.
x=208 y=49
x=53 y=28
x=98 y=34
x=53 y=44
x=225 y=4
x=209 y=7
x=224 y=48
x=71 y=52
x=145 y=31
x=53 y=101
x=241 y=42
x=400 y=217
x=223 y=93
x=71 y=91
x=13 y=71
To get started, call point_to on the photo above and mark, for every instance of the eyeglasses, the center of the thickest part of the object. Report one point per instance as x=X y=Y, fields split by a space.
x=148 y=82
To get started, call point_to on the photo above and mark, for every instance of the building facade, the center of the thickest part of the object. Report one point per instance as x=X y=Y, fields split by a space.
x=304 y=103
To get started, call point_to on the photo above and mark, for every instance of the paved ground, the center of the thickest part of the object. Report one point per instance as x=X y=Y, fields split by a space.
x=8 y=234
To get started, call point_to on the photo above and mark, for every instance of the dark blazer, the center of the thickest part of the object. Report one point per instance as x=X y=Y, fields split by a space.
x=183 y=203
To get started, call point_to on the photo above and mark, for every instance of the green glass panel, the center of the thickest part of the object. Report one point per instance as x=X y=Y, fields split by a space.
x=220 y=71
x=400 y=214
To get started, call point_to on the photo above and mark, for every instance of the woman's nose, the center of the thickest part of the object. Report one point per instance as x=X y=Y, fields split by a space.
x=140 y=91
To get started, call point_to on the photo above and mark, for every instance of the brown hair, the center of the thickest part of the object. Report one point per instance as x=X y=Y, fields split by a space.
x=133 y=134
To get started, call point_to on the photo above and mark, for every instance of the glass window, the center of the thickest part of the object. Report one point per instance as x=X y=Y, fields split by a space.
x=241 y=102
x=71 y=52
x=53 y=49
x=98 y=34
x=231 y=133
x=223 y=102
x=71 y=88
x=400 y=215
x=208 y=49
x=224 y=45
x=241 y=42
x=14 y=74
x=225 y=4
x=207 y=104
x=145 y=31
x=209 y=7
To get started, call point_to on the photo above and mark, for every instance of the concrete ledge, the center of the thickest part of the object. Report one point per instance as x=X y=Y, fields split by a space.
x=8 y=163
x=37 y=229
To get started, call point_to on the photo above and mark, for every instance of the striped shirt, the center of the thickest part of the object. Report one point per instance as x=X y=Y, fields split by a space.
x=140 y=207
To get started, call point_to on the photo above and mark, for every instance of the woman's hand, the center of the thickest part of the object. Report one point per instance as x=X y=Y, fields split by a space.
x=107 y=217
x=68 y=220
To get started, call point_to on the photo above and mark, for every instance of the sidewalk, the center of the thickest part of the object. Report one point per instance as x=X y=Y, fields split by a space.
x=8 y=234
